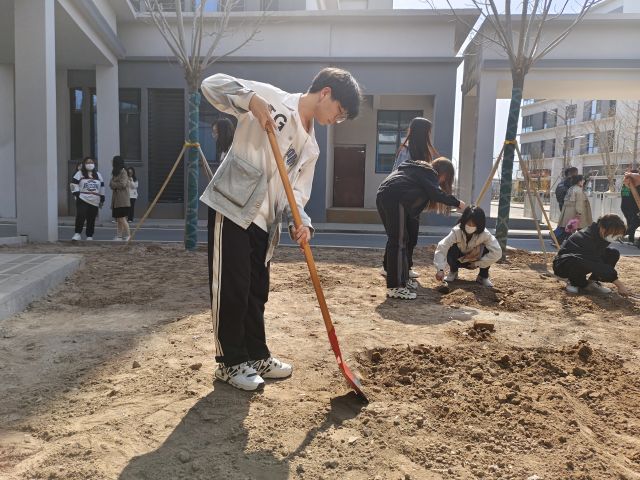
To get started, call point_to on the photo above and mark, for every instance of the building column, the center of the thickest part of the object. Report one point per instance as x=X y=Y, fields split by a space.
x=7 y=144
x=466 y=154
x=35 y=120
x=108 y=127
x=485 y=132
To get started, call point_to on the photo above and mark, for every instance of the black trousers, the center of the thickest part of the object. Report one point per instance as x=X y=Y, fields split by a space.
x=633 y=222
x=413 y=227
x=130 y=217
x=394 y=219
x=85 y=212
x=576 y=269
x=239 y=289
x=454 y=254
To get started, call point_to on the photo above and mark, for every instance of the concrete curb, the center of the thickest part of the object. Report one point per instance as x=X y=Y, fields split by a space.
x=34 y=284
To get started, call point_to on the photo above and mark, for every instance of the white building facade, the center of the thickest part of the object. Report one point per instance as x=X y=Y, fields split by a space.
x=94 y=78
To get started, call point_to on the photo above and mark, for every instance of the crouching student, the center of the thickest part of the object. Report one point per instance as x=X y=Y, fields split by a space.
x=469 y=245
x=587 y=251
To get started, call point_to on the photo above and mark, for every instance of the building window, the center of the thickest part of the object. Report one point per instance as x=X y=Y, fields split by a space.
x=130 y=124
x=528 y=101
x=612 y=108
x=392 y=128
x=527 y=123
x=550 y=118
x=570 y=114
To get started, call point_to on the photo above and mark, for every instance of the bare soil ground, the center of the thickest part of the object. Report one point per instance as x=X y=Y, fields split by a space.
x=110 y=376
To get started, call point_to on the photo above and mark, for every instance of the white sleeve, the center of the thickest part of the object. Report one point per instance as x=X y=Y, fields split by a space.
x=227 y=94
x=440 y=257
x=493 y=255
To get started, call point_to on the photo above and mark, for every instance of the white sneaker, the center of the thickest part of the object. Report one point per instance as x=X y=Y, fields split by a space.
x=272 y=368
x=89 y=239
x=401 y=292
x=383 y=272
x=242 y=376
x=572 y=288
x=597 y=287
x=117 y=239
x=485 y=282
x=127 y=238
x=451 y=276
x=413 y=274
x=412 y=284
x=76 y=237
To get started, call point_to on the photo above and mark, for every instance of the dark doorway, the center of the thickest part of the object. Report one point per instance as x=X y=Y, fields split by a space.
x=348 y=176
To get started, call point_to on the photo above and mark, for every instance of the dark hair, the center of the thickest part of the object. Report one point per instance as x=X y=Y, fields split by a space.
x=344 y=88
x=633 y=170
x=118 y=165
x=475 y=213
x=419 y=139
x=135 y=179
x=612 y=224
x=86 y=173
x=443 y=166
x=226 y=131
x=576 y=179
x=570 y=171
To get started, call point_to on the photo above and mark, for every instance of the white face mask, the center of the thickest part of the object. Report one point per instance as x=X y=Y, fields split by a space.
x=612 y=238
x=90 y=166
x=469 y=229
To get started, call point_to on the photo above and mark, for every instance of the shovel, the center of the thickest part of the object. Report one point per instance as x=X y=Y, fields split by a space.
x=352 y=380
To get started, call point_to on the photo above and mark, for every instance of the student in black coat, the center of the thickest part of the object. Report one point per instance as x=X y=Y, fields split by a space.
x=415 y=185
x=586 y=252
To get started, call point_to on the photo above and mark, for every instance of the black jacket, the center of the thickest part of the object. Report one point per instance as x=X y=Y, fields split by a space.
x=585 y=244
x=414 y=185
x=561 y=191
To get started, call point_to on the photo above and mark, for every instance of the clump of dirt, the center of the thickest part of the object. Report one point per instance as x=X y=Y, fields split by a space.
x=489 y=410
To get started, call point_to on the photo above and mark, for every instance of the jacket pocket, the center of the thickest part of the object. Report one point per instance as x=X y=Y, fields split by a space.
x=239 y=180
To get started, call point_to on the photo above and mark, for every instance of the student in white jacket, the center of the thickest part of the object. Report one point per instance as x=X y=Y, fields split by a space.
x=469 y=245
x=247 y=202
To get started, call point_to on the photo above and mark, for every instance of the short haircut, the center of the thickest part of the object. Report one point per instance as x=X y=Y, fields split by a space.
x=612 y=224
x=576 y=179
x=475 y=213
x=344 y=88
x=570 y=171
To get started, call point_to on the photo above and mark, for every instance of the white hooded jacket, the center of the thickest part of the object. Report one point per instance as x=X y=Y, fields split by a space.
x=457 y=236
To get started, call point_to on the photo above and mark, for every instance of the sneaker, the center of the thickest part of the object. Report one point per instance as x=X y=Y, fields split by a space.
x=117 y=239
x=242 y=376
x=413 y=274
x=412 y=284
x=76 y=237
x=572 y=288
x=401 y=292
x=272 y=368
x=485 y=282
x=89 y=239
x=451 y=276
x=597 y=287
x=127 y=238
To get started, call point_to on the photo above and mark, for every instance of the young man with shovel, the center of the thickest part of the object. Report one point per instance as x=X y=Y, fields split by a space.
x=246 y=202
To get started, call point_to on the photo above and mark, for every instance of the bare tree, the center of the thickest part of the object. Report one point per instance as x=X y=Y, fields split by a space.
x=196 y=47
x=520 y=37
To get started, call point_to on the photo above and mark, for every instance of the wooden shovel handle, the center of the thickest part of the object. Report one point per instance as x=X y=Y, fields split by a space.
x=297 y=220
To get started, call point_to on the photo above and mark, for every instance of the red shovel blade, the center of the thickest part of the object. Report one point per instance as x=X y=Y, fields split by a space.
x=352 y=380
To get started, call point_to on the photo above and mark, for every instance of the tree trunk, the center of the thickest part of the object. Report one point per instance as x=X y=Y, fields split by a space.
x=191 y=216
x=504 y=205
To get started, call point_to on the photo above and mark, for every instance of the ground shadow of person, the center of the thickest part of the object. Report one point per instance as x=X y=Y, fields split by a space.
x=343 y=408
x=209 y=443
